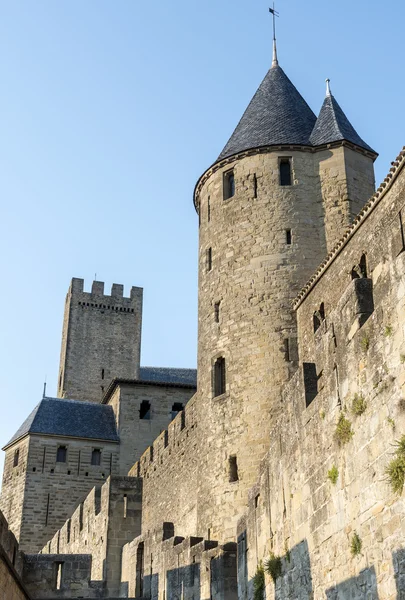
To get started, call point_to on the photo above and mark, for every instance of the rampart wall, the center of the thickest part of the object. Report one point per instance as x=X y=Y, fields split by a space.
x=160 y=564
x=136 y=430
x=324 y=504
x=108 y=518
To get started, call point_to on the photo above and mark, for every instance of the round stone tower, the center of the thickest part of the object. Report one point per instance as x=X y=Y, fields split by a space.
x=262 y=235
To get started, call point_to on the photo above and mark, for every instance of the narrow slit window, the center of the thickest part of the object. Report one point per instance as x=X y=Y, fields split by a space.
x=16 y=457
x=144 y=411
x=285 y=171
x=102 y=373
x=288 y=237
x=59 y=575
x=255 y=186
x=216 y=311
x=287 y=350
x=219 y=377
x=61 y=454
x=96 y=457
x=209 y=259
x=229 y=184
x=125 y=506
x=209 y=209
x=233 y=469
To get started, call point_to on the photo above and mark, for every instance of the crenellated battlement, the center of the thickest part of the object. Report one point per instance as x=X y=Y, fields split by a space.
x=97 y=295
x=181 y=433
x=101 y=339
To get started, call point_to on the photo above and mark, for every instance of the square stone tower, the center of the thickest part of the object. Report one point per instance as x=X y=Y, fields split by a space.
x=101 y=340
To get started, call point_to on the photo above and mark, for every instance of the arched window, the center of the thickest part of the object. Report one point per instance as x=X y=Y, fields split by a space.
x=360 y=271
x=61 y=454
x=96 y=457
x=319 y=317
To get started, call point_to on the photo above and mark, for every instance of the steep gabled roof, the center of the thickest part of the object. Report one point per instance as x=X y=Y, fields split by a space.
x=332 y=125
x=277 y=114
x=70 y=418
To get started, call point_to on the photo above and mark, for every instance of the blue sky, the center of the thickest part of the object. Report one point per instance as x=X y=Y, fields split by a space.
x=110 y=111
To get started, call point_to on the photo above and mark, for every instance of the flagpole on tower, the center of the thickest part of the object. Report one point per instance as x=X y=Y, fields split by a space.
x=275 y=14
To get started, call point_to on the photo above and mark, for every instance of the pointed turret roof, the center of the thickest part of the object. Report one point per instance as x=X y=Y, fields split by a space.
x=332 y=125
x=277 y=114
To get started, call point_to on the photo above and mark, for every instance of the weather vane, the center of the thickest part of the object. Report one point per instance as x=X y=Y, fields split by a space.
x=275 y=14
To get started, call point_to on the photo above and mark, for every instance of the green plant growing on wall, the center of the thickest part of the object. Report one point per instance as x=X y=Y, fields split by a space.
x=395 y=470
x=402 y=358
x=273 y=566
x=355 y=544
x=391 y=422
x=401 y=404
x=365 y=343
x=333 y=474
x=259 y=583
x=388 y=331
x=322 y=414
x=359 y=404
x=344 y=431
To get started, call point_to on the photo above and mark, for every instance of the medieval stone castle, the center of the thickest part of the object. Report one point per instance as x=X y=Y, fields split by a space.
x=275 y=471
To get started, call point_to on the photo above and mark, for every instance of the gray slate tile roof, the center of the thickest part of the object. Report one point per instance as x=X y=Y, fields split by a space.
x=332 y=125
x=71 y=418
x=277 y=114
x=169 y=375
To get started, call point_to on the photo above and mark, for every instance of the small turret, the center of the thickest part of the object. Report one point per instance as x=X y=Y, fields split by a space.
x=345 y=165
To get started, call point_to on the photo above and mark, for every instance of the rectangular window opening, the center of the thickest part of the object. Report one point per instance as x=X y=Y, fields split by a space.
x=125 y=506
x=144 y=411
x=233 y=469
x=285 y=171
x=288 y=237
x=287 y=350
x=219 y=377
x=229 y=184
x=16 y=457
x=61 y=454
x=255 y=186
x=310 y=382
x=96 y=457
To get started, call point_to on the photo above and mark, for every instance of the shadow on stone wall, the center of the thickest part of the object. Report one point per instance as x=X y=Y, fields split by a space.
x=296 y=574
x=398 y=561
x=362 y=586
x=151 y=587
x=184 y=582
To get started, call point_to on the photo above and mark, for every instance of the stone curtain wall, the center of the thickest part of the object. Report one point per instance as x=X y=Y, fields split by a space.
x=169 y=469
x=11 y=564
x=101 y=340
x=161 y=564
x=100 y=526
x=53 y=490
x=137 y=434
x=297 y=511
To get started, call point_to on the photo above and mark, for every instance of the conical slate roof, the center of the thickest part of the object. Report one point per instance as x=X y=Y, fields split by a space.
x=332 y=125
x=277 y=114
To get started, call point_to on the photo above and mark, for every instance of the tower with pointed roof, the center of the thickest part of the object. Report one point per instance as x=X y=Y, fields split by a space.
x=282 y=190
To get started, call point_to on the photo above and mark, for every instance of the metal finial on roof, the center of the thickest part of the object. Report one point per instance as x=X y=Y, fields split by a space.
x=328 y=92
x=44 y=392
x=275 y=14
